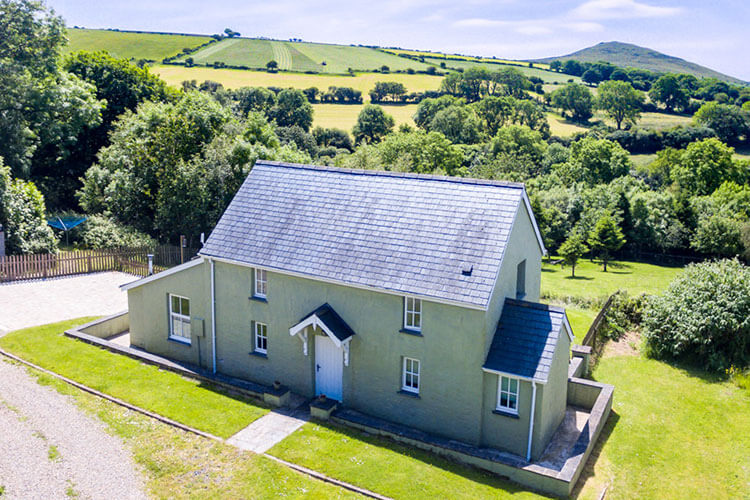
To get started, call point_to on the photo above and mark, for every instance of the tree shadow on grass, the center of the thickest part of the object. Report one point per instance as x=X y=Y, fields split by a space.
x=579 y=278
x=430 y=459
x=588 y=469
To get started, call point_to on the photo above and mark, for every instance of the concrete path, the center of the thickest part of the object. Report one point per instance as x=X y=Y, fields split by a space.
x=38 y=302
x=261 y=435
x=50 y=449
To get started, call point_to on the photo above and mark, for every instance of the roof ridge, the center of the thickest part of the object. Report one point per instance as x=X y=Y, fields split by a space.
x=385 y=173
x=535 y=305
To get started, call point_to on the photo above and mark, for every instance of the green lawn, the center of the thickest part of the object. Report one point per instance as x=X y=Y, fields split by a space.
x=180 y=465
x=166 y=393
x=389 y=468
x=580 y=319
x=673 y=433
x=301 y=56
x=128 y=45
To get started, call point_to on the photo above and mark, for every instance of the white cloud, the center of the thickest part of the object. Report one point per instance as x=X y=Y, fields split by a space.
x=620 y=9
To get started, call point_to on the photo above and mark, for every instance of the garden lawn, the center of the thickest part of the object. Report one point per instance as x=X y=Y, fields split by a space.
x=178 y=464
x=580 y=321
x=591 y=283
x=389 y=468
x=129 y=45
x=674 y=434
x=185 y=400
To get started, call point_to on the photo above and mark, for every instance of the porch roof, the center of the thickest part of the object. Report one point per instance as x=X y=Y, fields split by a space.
x=329 y=321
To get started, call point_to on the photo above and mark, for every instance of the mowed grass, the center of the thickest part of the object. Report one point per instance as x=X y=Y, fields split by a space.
x=580 y=320
x=344 y=116
x=673 y=433
x=301 y=56
x=232 y=79
x=185 y=400
x=562 y=127
x=180 y=465
x=127 y=45
x=389 y=468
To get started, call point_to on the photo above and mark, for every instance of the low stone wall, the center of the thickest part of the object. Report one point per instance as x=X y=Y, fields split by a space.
x=106 y=327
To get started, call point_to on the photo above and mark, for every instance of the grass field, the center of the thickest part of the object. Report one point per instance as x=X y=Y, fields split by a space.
x=300 y=56
x=562 y=127
x=129 y=45
x=454 y=57
x=344 y=116
x=549 y=77
x=184 y=400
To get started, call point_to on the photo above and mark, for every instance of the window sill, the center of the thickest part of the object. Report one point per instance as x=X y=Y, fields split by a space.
x=505 y=413
x=258 y=299
x=180 y=340
x=416 y=333
x=414 y=395
x=259 y=354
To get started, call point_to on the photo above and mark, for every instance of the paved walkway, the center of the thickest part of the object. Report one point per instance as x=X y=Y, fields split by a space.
x=261 y=435
x=38 y=302
x=50 y=449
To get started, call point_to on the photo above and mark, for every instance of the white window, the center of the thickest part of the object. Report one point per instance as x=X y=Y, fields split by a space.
x=260 y=283
x=412 y=314
x=261 y=338
x=179 y=318
x=507 y=394
x=410 y=375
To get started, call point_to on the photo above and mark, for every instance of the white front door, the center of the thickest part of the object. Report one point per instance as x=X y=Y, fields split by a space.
x=329 y=368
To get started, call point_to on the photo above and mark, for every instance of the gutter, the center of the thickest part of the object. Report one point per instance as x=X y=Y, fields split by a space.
x=213 y=317
x=531 y=420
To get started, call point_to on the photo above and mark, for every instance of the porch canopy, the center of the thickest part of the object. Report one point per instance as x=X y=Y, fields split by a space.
x=328 y=320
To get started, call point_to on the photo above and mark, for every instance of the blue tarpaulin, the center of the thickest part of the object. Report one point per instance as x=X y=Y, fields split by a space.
x=65 y=223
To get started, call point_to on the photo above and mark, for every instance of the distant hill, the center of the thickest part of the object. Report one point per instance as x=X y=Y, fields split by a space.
x=627 y=54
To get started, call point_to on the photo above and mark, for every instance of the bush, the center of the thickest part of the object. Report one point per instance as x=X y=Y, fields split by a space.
x=703 y=317
x=624 y=314
x=101 y=232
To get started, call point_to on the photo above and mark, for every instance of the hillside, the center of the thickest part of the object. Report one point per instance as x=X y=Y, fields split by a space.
x=627 y=54
x=130 y=44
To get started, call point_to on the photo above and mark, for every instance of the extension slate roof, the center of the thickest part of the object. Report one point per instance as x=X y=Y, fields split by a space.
x=332 y=321
x=404 y=233
x=525 y=340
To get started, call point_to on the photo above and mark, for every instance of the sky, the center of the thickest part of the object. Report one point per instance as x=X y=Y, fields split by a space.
x=713 y=33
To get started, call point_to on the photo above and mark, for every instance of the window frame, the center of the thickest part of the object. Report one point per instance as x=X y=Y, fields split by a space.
x=183 y=318
x=257 y=335
x=260 y=281
x=416 y=313
x=418 y=374
x=507 y=408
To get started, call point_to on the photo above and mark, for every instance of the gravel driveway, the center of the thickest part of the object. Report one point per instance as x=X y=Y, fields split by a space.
x=31 y=303
x=50 y=449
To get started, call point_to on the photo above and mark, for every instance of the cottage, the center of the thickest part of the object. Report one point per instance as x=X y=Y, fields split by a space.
x=411 y=298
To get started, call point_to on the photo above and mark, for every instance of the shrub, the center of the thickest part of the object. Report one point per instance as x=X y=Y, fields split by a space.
x=101 y=232
x=703 y=316
x=624 y=314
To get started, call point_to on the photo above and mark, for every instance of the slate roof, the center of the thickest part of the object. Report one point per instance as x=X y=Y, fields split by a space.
x=525 y=340
x=333 y=321
x=405 y=233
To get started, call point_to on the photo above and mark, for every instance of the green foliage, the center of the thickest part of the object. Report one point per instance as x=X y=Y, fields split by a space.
x=576 y=99
x=372 y=124
x=458 y=123
x=668 y=92
x=624 y=314
x=729 y=122
x=387 y=91
x=595 y=161
x=102 y=232
x=606 y=238
x=291 y=109
x=22 y=213
x=704 y=316
x=620 y=101
x=703 y=166
x=428 y=108
x=573 y=249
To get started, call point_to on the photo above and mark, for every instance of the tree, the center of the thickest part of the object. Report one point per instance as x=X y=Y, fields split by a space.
x=555 y=66
x=511 y=82
x=575 y=98
x=420 y=152
x=292 y=108
x=22 y=216
x=572 y=67
x=620 y=101
x=573 y=249
x=458 y=123
x=495 y=112
x=729 y=122
x=668 y=92
x=372 y=124
x=704 y=166
x=595 y=161
x=703 y=316
x=252 y=99
x=272 y=65
x=606 y=238
x=392 y=91
x=591 y=76
x=428 y=108
x=333 y=137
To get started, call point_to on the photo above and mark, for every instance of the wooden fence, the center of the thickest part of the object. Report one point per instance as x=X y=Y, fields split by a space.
x=67 y=263
x=593 y=333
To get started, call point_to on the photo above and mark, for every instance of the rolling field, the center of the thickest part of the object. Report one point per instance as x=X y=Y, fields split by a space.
x=128 y=45
x=300 y=56
x=549 y=77
x=231 y=78
x=442 y=56
x=344 y=116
